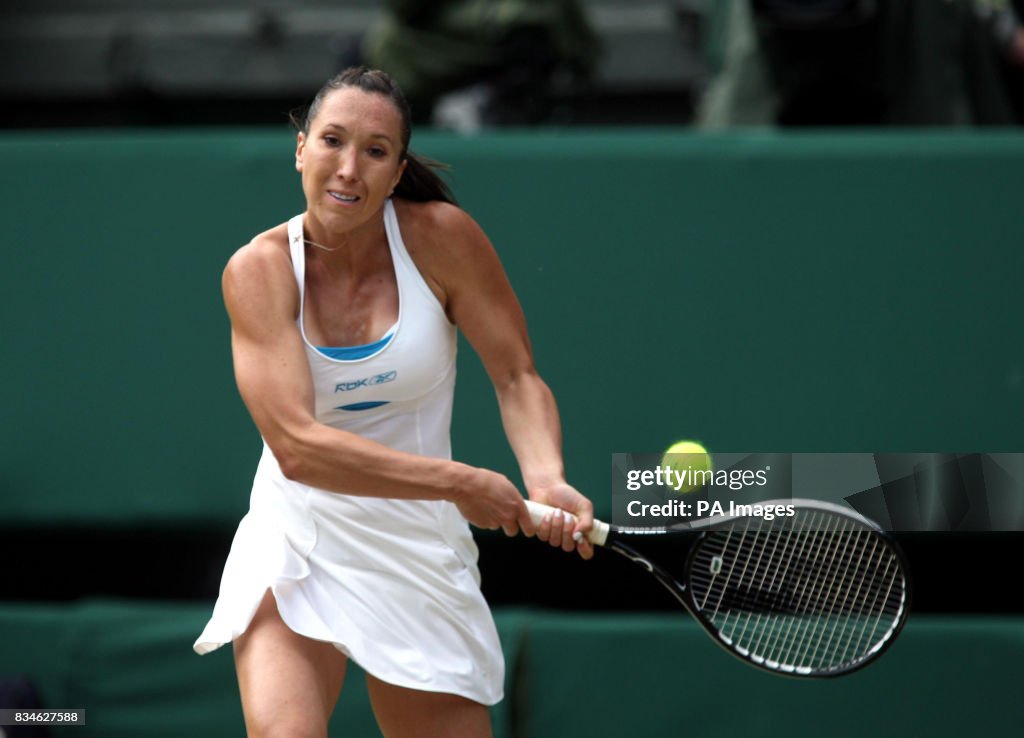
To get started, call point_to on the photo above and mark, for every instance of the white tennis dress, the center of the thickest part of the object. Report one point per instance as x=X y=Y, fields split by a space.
x=392 y=583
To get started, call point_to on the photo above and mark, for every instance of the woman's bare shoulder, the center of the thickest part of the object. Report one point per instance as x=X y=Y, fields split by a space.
x=440 y=228
x=259 y=275
x=266 y=251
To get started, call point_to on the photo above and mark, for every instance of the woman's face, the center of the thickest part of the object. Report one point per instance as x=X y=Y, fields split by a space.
x=350 y=158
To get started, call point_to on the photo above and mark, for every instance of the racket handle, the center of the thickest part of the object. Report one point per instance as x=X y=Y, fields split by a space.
x=597 y=535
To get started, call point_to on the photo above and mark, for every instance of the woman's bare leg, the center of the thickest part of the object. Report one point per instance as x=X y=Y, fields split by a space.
x=289 y=683
x=403 y=713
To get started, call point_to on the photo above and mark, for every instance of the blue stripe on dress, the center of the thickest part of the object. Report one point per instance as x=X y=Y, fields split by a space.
x=348 y=353
x=357 y=406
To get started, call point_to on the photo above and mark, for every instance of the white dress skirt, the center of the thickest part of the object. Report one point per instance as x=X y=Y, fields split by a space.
x=407 y=608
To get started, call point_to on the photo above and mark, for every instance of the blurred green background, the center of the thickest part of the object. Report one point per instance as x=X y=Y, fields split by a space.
x=759 y=291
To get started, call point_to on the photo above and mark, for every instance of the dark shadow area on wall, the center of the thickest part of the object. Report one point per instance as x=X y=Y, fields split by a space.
x=951 y=572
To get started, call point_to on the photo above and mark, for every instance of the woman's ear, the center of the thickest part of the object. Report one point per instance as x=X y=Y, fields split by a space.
x=398 y=177
x=300 y=143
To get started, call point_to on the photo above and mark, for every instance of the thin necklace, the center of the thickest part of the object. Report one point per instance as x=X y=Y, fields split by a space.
x=314 y=243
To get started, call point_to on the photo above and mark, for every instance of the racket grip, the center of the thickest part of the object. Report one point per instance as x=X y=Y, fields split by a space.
x=597 y=535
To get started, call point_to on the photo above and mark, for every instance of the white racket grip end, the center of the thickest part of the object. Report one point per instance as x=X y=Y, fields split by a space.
x=597 y=535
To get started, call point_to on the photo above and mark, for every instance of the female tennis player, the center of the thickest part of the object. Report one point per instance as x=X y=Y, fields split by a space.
x=356 y=544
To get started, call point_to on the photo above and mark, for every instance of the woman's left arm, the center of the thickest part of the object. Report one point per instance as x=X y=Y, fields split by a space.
x=477 y=296
x=530 y=417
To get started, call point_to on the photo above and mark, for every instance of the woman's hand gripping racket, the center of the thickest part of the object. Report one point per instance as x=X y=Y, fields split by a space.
x=820 y=593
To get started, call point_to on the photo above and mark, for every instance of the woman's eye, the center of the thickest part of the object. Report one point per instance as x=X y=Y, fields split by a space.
x=378 y=153
x=331 y=140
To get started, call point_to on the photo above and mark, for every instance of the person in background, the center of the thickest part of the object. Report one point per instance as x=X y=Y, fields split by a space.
x=467 y=64
x=863 y=62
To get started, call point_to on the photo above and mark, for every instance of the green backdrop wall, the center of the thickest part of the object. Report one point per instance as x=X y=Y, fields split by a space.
x=759 y=291
x=128 y=665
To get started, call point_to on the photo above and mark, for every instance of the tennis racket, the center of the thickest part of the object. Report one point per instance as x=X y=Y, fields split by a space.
x=820 y=593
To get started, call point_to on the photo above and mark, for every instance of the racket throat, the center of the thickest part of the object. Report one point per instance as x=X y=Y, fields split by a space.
x=675 y=588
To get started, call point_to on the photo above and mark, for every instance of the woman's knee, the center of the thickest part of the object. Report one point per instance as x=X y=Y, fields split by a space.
x=277 y=725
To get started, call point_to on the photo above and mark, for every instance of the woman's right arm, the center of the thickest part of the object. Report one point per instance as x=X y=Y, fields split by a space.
x=273 y=377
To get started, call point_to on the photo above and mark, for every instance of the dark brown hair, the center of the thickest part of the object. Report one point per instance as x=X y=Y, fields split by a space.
x=420 y=181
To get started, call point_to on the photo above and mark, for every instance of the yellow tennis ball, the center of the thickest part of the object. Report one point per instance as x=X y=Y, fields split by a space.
x=689 y=466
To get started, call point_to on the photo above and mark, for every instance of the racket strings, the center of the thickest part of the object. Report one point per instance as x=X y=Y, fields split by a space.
x=817 y=592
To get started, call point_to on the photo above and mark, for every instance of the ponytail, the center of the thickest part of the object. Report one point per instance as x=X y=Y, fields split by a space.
x=421 y=181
